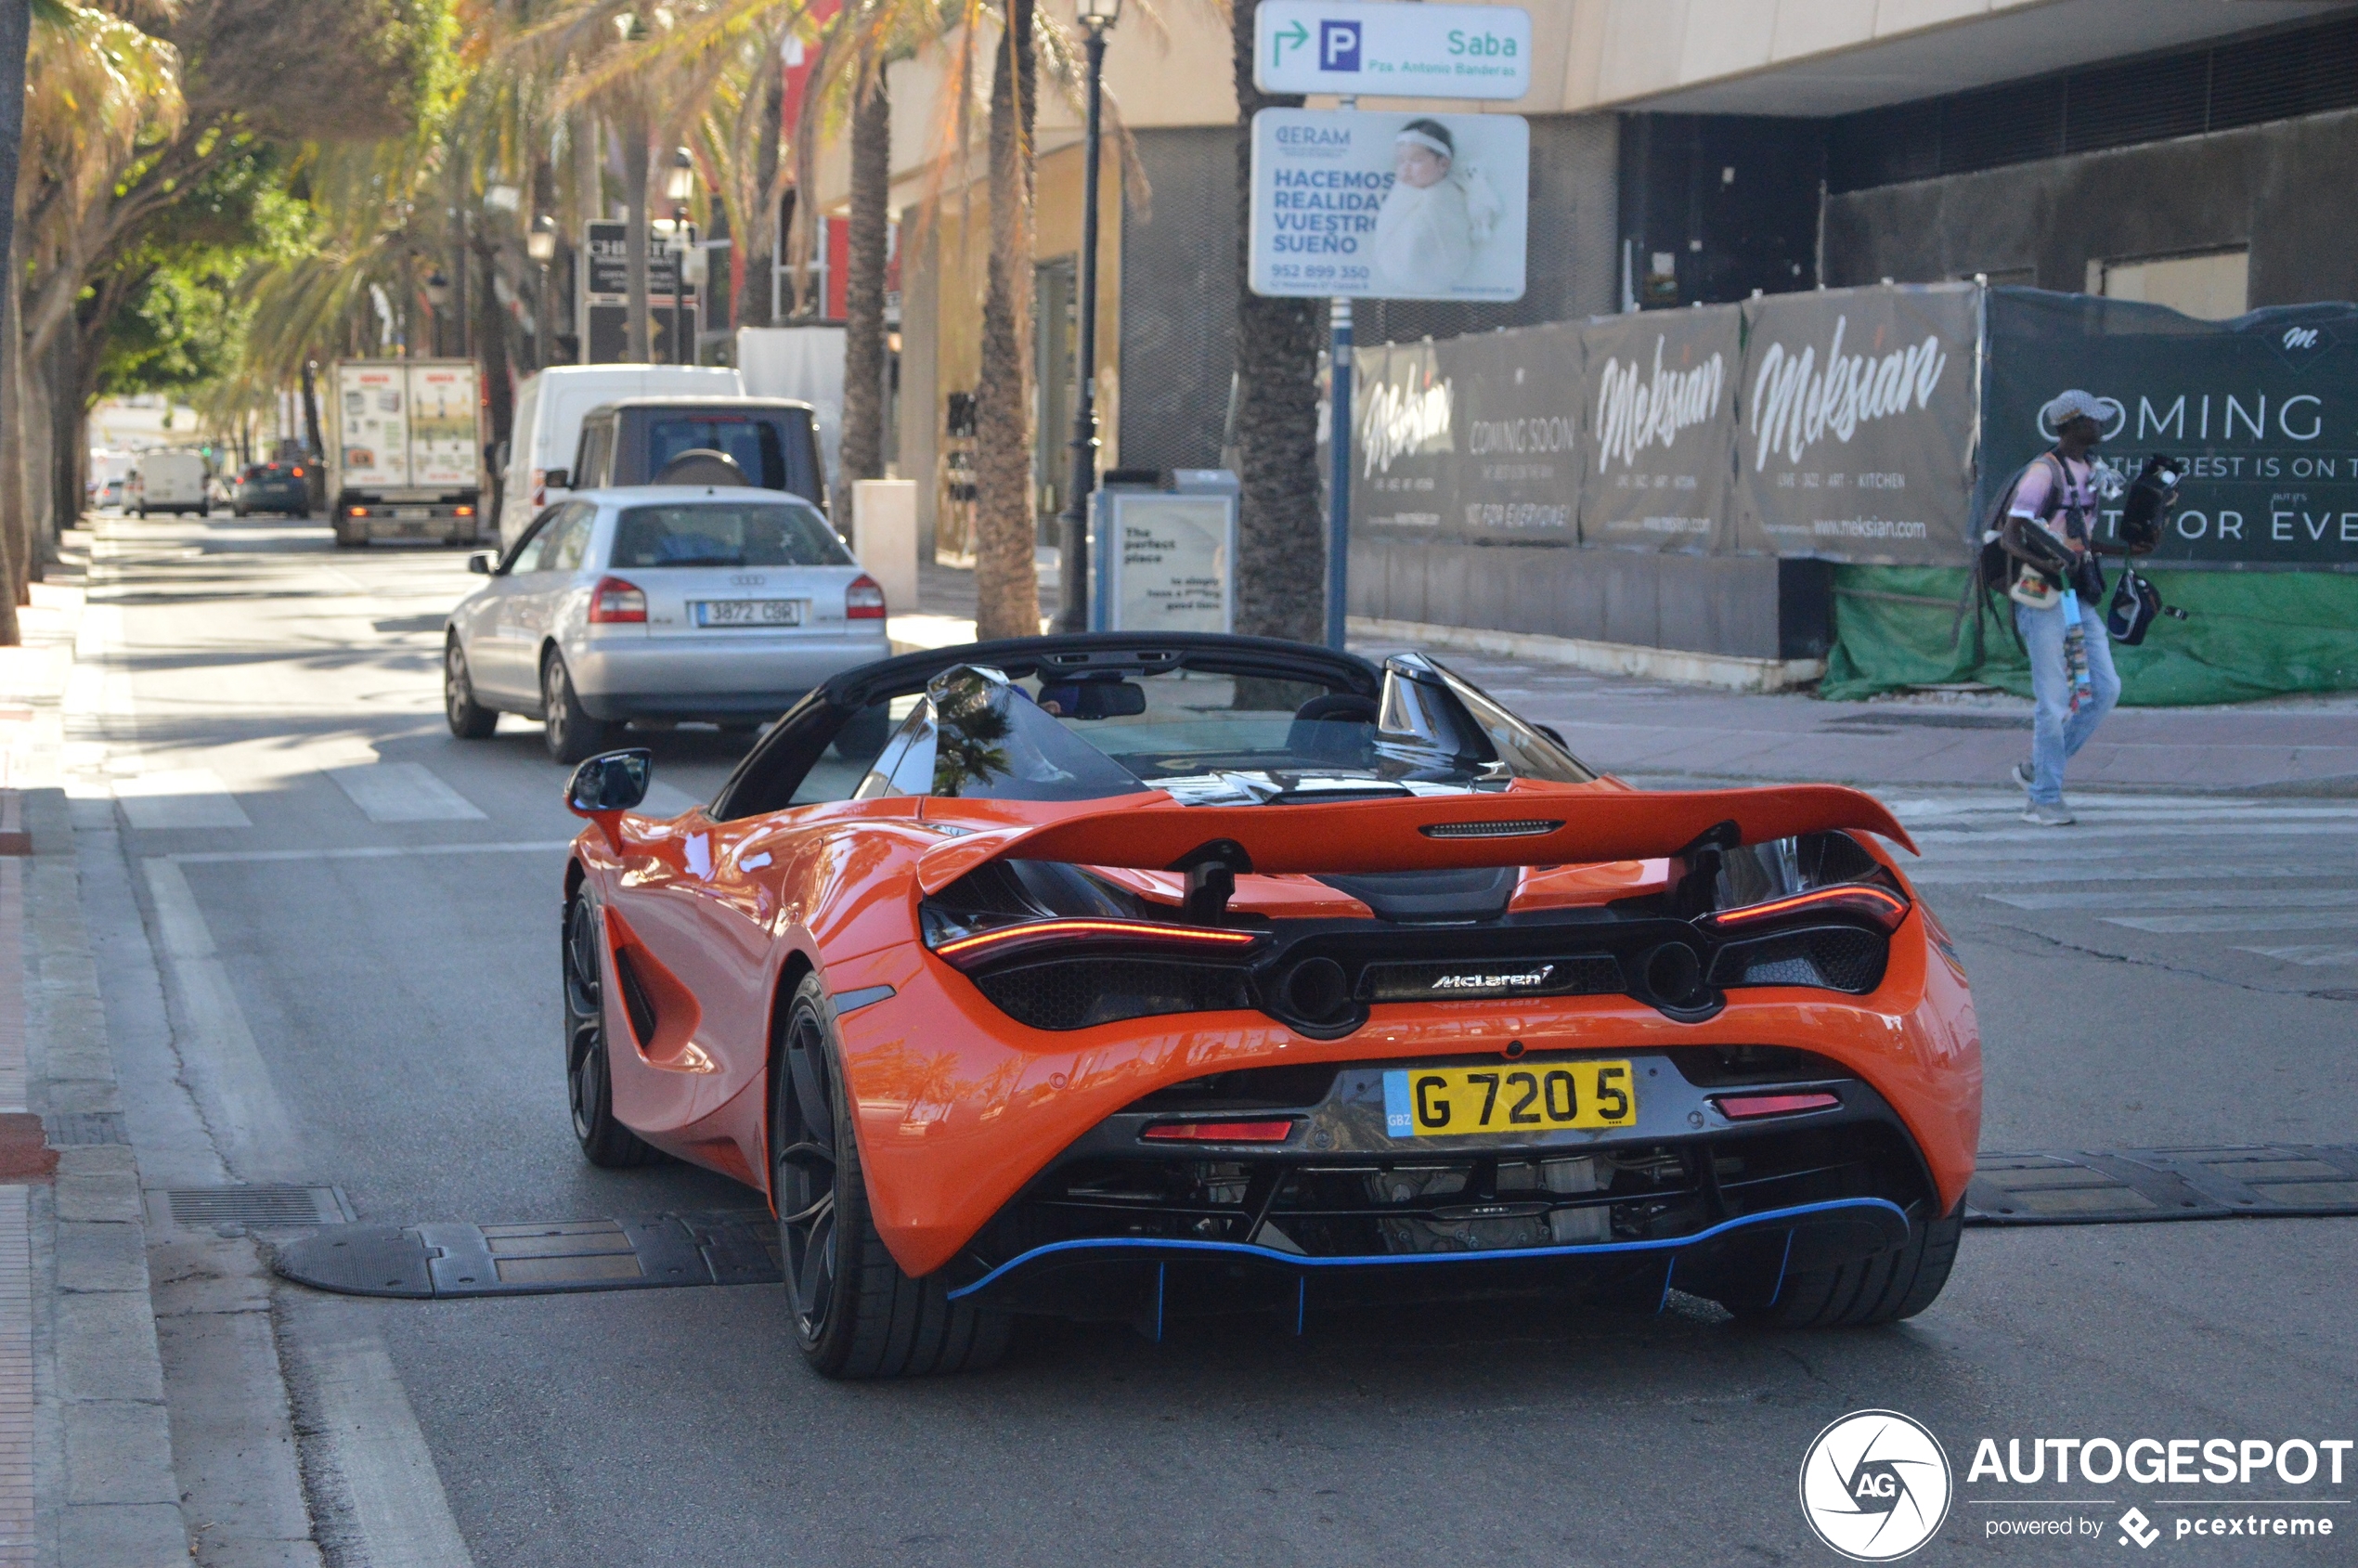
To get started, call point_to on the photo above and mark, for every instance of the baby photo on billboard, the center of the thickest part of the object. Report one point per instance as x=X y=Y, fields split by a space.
x=1445 y=228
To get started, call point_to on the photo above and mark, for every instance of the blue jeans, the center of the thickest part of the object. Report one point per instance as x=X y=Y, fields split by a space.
x=2056 y=732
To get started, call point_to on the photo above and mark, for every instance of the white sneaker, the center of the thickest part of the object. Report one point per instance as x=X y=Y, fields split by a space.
x=2055 y=815
x=2021 y=776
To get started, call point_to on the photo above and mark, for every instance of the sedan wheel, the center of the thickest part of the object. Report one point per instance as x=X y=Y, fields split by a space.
x=855 y=1313
x=470 y=720
x=589 y=1072
x=572 y=736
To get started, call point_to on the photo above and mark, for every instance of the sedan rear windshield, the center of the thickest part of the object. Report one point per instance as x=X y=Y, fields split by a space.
x=727 y=534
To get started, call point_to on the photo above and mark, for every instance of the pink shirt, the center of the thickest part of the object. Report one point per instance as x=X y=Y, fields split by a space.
x=2032 y=495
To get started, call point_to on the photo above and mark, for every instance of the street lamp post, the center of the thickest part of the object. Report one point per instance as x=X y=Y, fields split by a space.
x=438 y=299
x=541 y=245
x=1072 y=615
x=679 y=186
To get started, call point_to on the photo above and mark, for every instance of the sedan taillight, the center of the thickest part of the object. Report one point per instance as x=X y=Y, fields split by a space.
x=864 y=599
x=614 y=602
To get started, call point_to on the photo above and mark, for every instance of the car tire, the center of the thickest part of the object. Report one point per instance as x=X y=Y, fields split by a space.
x=572 y=736
x=1884 y=1289
x=470 y=720
x=604 y=1141
x=854 y=1314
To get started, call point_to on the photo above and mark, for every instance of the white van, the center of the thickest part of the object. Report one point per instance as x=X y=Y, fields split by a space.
x=548 y=425
x=168 y=482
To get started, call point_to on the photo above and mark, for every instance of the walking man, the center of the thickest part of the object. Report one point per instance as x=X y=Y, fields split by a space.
x=2072 y=681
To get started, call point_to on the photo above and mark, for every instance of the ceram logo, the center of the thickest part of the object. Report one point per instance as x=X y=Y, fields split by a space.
x=1875 y=1485
x=1338 y=46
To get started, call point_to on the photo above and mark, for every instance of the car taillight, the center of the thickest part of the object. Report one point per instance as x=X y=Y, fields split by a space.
x=465 y=511
x=298 y=473
x=1275 y=1131
x=1747 y=1107
x=863 y=601
x=1075 y=936
x=614 y=602
x=356 y=511
x=1878 y=906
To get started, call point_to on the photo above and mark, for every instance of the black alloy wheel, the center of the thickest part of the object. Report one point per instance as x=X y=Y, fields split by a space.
x=588 y=1074
x=572 y=735
x=855 y=1313
x=470 y=720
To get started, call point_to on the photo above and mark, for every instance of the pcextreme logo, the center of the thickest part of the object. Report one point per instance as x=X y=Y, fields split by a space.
x=1875 y=1485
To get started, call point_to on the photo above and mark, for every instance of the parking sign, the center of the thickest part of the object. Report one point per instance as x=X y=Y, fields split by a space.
x=1383 y=48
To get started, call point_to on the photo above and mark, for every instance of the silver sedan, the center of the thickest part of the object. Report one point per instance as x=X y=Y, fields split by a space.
x=657 y=602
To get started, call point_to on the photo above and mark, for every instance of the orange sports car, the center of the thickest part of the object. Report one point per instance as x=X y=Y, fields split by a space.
x=1123 y=976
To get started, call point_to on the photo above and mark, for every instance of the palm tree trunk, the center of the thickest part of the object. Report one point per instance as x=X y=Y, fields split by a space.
x=1281 y=554
x=863 y=334
x=16 y=33
x=1006 y=583
x=638 y=343
x=760 y=241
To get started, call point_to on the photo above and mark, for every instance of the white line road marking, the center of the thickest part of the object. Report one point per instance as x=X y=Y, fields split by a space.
x=2190 y=898
x=2065 y=840
x=2257 y=920
x=398 y=1505
x=2308 y=953
x=366 y=852
x=403 y=792
x=180 y=797
x=224 y=1066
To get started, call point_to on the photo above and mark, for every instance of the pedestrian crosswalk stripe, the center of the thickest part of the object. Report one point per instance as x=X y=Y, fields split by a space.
x=2254 y=920
x=2312 y=954
x=1940 y=873
x=179 y=798
x=2191 y=898
x=403 y=792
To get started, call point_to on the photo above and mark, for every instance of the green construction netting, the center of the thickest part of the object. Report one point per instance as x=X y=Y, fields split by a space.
x=2248 y=634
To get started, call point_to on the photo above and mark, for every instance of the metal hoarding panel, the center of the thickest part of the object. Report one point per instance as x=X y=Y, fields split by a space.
x=1855 y=414
x=1658 y=393
x=2264 y=408
x=1403 y=457
x=1515 y=416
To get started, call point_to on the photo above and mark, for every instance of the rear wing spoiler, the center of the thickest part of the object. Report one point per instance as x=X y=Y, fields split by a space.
x=1431 y=833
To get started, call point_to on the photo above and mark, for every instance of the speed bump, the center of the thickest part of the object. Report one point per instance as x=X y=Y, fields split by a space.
x=421 y=1261
x=2115 y=1187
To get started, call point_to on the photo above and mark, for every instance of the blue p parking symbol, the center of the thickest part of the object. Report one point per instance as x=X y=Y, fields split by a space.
x=1338 y=46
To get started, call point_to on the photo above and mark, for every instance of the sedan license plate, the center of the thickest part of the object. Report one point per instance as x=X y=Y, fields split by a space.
x=746 y=612
x=1542 y=1097
x=406 y=512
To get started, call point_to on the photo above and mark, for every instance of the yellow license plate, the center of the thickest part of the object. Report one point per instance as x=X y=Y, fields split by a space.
x=1444 y=1102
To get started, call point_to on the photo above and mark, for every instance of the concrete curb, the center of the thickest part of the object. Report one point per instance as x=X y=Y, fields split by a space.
x=107 y=1496
x=1729 y=672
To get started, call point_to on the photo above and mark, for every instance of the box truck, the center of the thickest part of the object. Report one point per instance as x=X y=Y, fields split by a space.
x=168 y=481
x=405 y=450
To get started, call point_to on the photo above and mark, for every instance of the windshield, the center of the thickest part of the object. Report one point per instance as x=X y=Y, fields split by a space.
x=727 y=534
x=1209 y=739
x=753 y=443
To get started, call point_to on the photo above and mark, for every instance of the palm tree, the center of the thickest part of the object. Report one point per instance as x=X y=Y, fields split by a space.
x=1006 y=583
x=1280 y=538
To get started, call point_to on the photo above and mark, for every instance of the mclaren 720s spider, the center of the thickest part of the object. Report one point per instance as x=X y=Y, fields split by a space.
x=1119 y=977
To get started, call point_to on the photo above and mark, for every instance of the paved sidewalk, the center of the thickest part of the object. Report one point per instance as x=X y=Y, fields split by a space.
x=86 y=1458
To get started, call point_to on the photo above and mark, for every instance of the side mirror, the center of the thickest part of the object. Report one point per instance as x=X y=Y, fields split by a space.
x=480 y=563
x=558 y=479
x=616 y=781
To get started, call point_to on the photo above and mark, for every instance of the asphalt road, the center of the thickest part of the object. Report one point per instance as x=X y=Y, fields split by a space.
x=387 y=1023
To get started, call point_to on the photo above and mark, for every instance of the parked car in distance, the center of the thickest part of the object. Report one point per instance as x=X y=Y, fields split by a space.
x=548 y=425
x=111 y=494
x=769 y=443
x=705 y=604
x=273 y=487
x=169 y=482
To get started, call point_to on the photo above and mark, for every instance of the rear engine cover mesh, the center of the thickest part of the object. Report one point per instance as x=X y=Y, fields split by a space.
x=1077 y=994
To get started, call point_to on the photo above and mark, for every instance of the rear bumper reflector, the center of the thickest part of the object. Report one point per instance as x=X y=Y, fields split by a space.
x=1747 y=1107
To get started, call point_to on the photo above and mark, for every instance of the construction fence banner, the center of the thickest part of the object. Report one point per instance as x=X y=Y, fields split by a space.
x=1857 y=412
x=1515 y=417
x=1403 y=458
x=2263 y=408
x=1658 y=401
